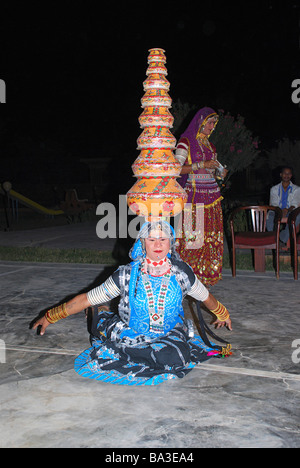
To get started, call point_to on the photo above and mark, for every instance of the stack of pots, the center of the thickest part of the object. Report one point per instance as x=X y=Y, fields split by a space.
x=156 y=193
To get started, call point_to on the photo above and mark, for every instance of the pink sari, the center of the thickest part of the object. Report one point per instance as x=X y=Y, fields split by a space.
x=201 y=245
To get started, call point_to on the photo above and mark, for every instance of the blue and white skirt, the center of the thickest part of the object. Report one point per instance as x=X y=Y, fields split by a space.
x=143 y=360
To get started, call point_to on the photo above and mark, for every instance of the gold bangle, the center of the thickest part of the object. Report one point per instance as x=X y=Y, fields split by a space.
x=57 y=313
x=221 y=312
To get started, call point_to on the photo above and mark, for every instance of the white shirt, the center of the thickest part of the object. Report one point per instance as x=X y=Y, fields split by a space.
x=293 y=198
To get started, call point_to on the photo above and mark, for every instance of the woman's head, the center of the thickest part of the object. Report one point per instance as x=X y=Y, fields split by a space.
x=205 y=116
x=157 y=244
x=208 y=125
x=156 y=240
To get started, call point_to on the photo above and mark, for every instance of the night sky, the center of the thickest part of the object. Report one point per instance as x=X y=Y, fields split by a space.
x=74 y=74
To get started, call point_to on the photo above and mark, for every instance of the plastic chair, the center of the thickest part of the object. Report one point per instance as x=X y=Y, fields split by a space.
x=295 y=244
x=256 y=237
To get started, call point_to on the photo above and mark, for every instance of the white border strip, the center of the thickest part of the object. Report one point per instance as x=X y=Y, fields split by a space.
x=249 y=372
x=28 y=349
x=15 y=271
x=202 y=366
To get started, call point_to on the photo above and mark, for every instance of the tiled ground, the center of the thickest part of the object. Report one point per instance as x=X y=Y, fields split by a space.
x=249 y=400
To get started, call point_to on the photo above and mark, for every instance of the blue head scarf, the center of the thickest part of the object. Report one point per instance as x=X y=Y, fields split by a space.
x=138 y=252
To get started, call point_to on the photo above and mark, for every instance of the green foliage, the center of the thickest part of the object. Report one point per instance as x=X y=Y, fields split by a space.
x=240 y=222
x=180 y=111
x=235 y=144
x=42 y=254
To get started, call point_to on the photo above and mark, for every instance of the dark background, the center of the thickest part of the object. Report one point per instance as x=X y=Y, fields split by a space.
x=74 y=75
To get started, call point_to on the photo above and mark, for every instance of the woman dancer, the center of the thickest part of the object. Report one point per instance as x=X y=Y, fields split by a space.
x=149 y=340
x=200 y=244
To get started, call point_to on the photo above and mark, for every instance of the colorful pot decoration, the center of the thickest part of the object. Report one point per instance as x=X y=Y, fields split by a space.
x=156 y=192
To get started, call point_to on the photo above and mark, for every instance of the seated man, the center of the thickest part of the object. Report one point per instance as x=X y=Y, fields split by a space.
x=286 y=195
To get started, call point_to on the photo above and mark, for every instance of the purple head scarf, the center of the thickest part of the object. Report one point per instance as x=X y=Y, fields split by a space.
x=192 y=130
x=200 y=119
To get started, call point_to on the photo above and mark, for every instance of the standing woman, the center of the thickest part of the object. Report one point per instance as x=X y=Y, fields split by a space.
x=203 y=250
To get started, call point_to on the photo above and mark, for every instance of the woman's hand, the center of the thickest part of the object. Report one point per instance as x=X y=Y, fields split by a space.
x=224 y=173
x=219 y=324
x=43 y=322
x=75 y=305
x=211 y=164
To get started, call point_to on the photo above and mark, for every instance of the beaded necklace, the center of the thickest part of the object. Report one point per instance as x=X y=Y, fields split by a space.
x=156 y=268
x=204 y=141
x=156 y=317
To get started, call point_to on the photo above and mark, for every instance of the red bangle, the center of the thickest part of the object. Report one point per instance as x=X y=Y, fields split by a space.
x=221 y=312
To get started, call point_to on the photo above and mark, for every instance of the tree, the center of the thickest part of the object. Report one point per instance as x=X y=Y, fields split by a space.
x=180 y=111
x=236 y=146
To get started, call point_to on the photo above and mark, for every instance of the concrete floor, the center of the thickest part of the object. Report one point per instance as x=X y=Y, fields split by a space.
x=251 y=399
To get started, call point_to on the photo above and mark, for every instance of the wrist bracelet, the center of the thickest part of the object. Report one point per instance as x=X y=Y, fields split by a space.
x=221 y=312
x=198 y=165
x=57 y=313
